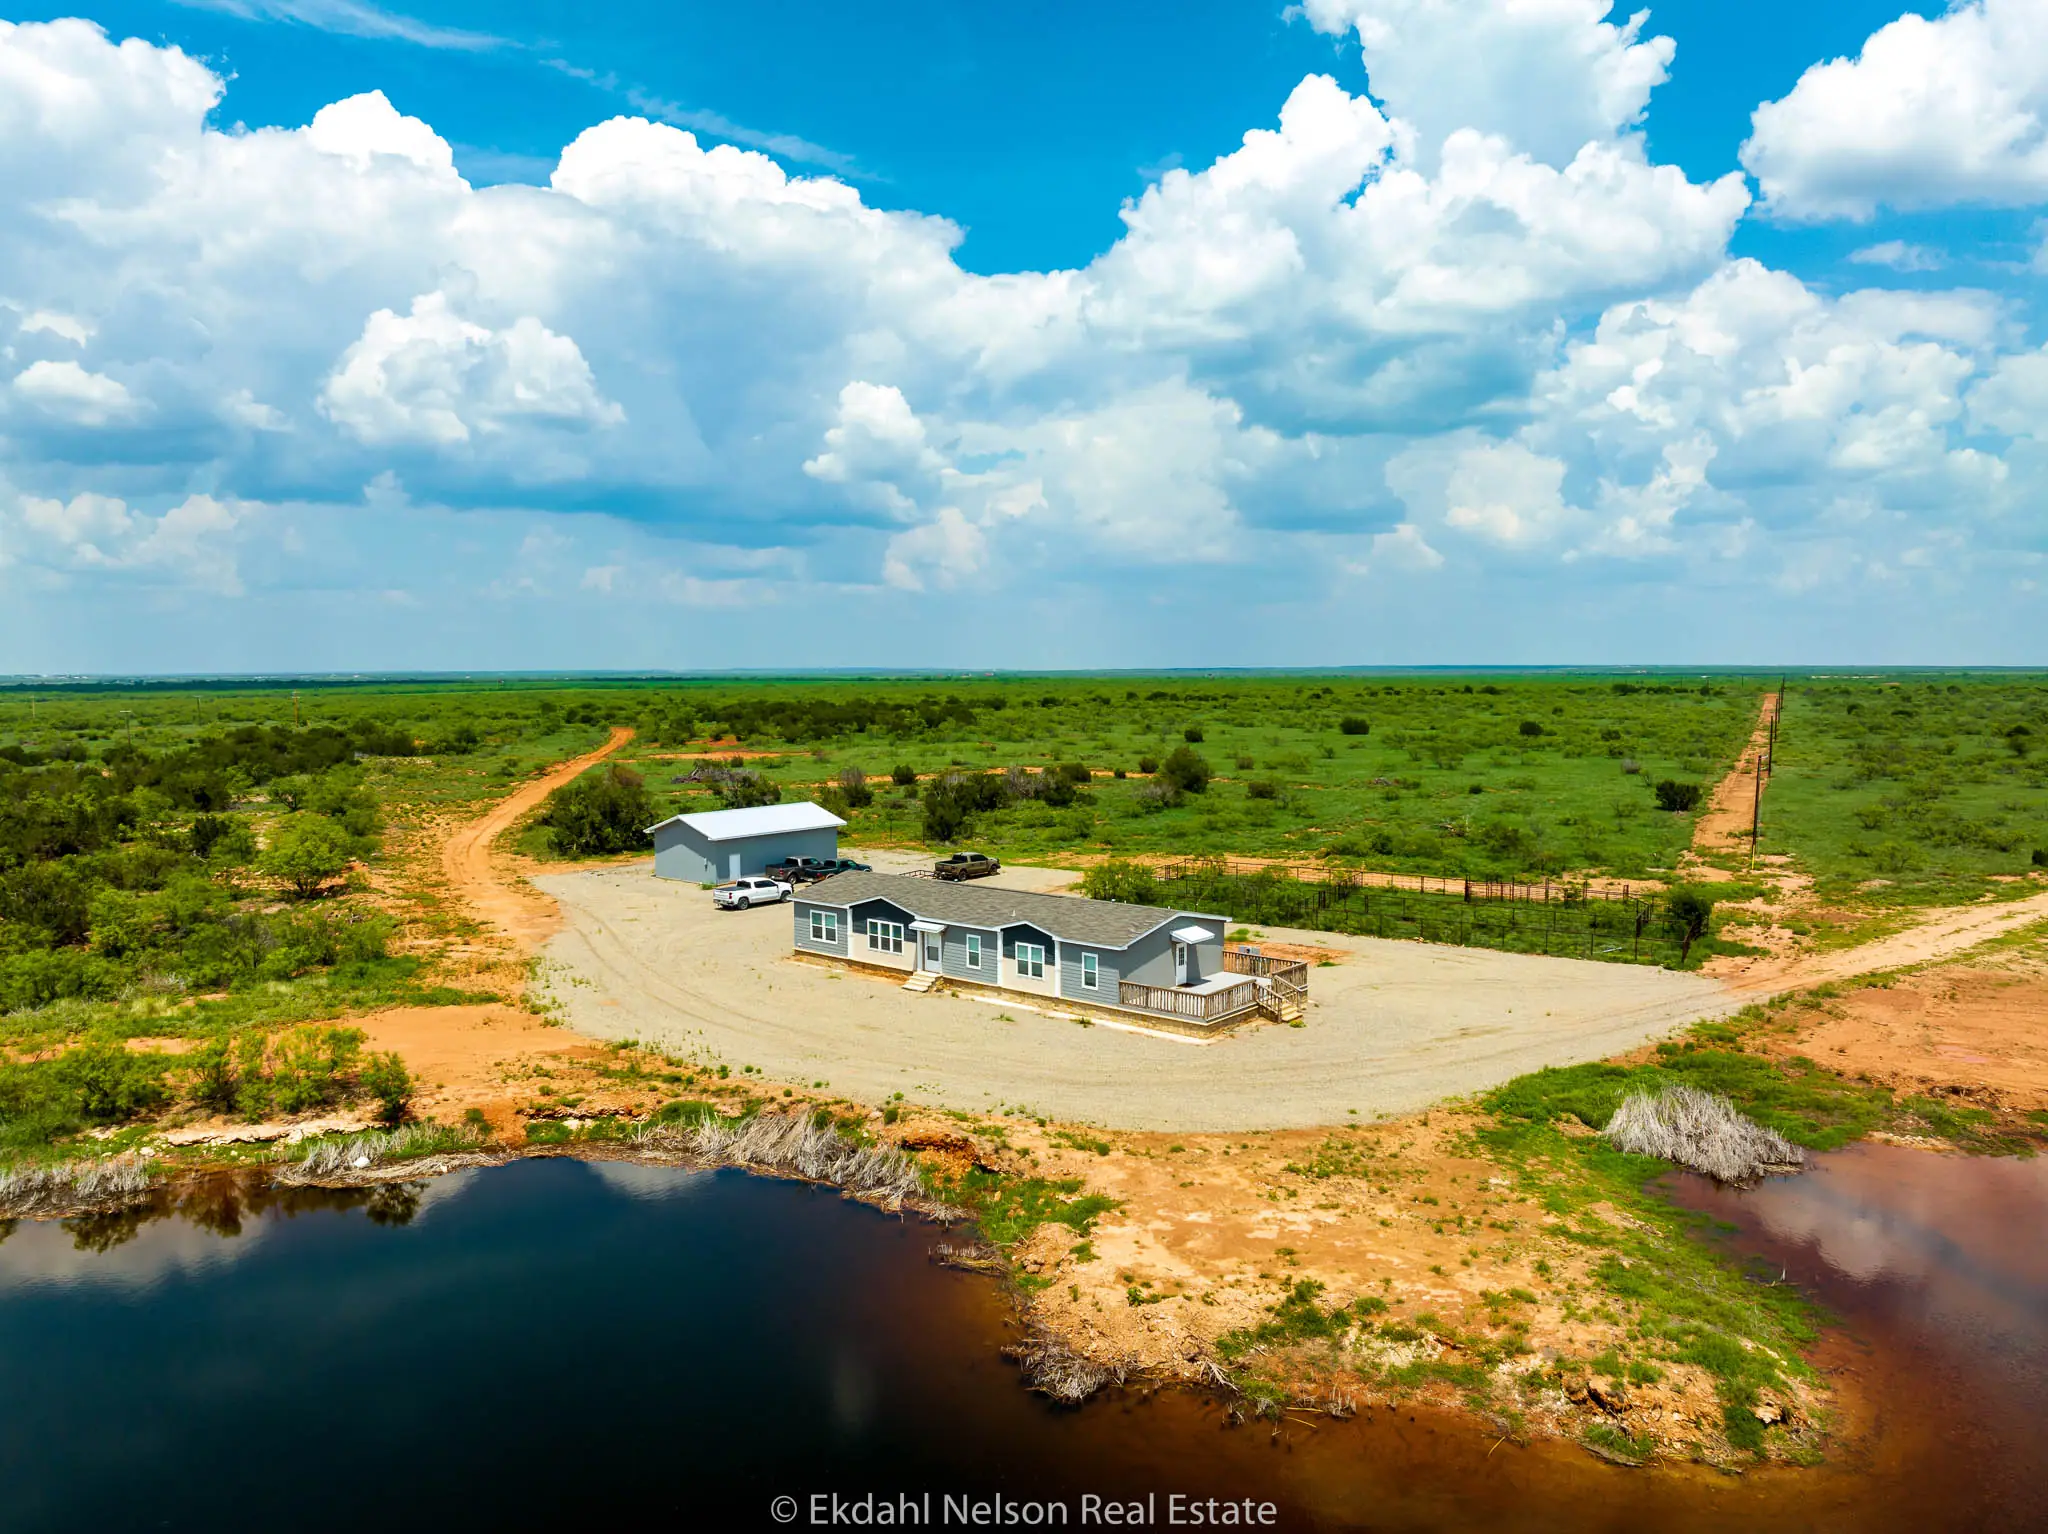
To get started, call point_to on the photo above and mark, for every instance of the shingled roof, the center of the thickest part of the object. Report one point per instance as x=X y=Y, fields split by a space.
x=1098 y=923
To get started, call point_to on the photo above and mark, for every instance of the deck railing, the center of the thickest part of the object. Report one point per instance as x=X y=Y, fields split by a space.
x=1191 y=1006
x=1249 y=961
x=1286 y=979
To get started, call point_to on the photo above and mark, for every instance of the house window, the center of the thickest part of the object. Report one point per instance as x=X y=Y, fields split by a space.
x=885 y=936
x=1089 y=966
x=824 y=926
x=1031 y=960
x=974 y=950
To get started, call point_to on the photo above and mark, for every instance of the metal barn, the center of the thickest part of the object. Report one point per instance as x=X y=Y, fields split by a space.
x=716 y=845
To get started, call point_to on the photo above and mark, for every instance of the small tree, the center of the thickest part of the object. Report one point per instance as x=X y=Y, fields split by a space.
x=1677 y=797
x=1687 y=915
x=1351 y=724
x=308 y=852
x=385 y=1078
x=213 y=1074
x=1118 y=879
x=1185 y=770
x=1192 y=735
x=1530 y=727
x=853 y=784
x=952 y=799
x=604 y=811
x=745 y=790
x=903 y=775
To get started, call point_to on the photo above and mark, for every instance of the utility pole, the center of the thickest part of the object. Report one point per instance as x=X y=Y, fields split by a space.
x=1756 y=809
x=295 y=708
x=130 y=714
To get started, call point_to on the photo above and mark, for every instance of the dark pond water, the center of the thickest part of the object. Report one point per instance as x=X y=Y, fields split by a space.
x=560 y=1344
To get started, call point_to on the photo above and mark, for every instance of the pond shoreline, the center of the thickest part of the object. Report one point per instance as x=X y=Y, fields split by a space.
x=1889 y=1438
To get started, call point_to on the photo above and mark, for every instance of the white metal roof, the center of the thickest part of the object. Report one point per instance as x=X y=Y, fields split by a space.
x=1193 y=934
x=759 y=820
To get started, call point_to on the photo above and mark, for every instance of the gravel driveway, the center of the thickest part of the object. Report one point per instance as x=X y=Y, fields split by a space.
x=1394 y=1027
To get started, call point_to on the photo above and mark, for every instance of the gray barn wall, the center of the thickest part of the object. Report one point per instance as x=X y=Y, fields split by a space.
x=681 y=853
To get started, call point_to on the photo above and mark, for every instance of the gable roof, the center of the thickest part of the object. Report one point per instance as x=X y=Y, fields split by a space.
x=759 y=820
x=1098 y=923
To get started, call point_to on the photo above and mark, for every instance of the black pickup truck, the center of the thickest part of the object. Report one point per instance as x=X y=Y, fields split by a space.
x=810 y=870
x=798 y=870
x=831 y=866
x=966 y=865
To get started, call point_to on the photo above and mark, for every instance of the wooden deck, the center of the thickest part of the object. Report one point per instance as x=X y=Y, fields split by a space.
x=1208 y=1007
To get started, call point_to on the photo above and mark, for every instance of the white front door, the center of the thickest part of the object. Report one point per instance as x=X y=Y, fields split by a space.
x=1180 y=963
x=930 y=946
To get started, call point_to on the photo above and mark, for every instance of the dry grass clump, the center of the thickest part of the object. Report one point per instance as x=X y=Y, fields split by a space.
x=333 y=1158
x=800 y=1145
x=67 y=1184
x=1703 y=1131
x=1054 y=1369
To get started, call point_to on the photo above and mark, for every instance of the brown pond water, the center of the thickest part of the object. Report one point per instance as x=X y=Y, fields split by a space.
x=557 y=1343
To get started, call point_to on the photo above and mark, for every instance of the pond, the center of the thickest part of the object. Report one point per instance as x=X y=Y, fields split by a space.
x=562 y=1342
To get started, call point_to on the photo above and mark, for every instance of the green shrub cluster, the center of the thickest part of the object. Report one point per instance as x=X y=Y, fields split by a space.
x=606 y=810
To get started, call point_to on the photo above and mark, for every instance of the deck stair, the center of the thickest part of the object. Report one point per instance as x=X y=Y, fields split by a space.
x=923 y=981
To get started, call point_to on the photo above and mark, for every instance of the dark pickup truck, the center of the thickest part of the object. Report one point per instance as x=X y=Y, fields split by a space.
x=966 y=865
x=831 y=866
x=810 y=870
x=798 y=870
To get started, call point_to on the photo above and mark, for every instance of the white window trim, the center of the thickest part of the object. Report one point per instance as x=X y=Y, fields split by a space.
x=1033 y=967
x=1091 y=970
x=824 y=926
x=884 y=936
x=973 y=947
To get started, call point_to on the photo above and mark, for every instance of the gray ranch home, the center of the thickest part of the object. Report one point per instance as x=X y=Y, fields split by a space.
x=1156 y=964
x=716 y=845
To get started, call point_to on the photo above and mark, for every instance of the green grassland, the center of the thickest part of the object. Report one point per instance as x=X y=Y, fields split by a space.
x=186 y=866
x=189 y=860
x=1496 y=777
x=1918 y=791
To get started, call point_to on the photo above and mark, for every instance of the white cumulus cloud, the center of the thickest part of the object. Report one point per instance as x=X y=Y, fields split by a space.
x=71 y=393
x=1932 y=112
x=430 y=376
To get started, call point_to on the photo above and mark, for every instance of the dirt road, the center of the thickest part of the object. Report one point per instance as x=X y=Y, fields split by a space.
x=493 y=891
x=1396 y=1026
x=1941 y=934
x=1723 y=828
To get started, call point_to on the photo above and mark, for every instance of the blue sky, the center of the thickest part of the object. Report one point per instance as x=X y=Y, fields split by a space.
x=990 y=337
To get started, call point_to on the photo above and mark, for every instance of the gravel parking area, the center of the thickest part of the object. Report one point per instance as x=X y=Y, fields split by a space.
x=1392 y=1027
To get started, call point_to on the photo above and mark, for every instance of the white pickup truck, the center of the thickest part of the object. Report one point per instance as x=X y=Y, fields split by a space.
x=741 y=893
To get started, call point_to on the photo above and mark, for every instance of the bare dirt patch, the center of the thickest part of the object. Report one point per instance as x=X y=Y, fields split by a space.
x=1214 y=1229
x=486 y=1057
x=1928 y=938
x=1966 y=1034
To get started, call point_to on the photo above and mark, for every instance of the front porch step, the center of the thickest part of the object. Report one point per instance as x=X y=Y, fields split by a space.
x=922 y=981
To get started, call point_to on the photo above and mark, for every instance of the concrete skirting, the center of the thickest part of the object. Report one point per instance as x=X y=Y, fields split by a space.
x=1039 y=1002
